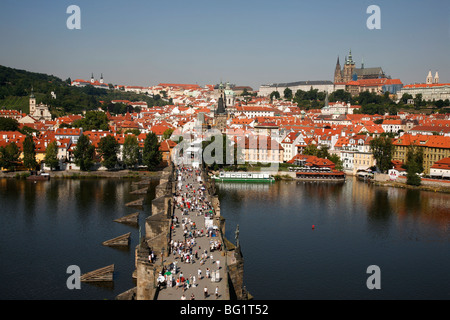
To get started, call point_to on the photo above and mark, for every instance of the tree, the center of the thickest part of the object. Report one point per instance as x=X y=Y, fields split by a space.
x=310 y=150
x=9 y=156
x=337 y=161
x=108 y=149
x=418 y=101
x=84 y=153
x=167 y=134
x=93 y=120
x=131 y=152
x=29 y=153
x=288 y=94
x=322 y=152
x=382 y=150
x=151 y=155
x=414 y=165
x=412 y=176
x=275 y=94
x=8 y=124
x=51 y=155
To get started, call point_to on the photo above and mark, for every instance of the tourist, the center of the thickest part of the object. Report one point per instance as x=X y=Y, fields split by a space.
x=205 y=291
x=183 y=297
x=217 y=292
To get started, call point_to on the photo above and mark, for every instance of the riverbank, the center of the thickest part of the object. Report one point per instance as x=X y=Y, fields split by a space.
x=396 y=184
x=73 y=174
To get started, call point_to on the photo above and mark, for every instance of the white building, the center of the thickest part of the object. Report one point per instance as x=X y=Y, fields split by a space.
x=322 y=86
x=430 y=90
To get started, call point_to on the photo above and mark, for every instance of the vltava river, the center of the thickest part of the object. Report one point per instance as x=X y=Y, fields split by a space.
x=47 y=226
x=406 y=233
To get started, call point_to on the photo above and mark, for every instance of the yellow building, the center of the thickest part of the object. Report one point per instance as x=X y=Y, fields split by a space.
x=434 y=147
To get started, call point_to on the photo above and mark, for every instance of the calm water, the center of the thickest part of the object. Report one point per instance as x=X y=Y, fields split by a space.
x=47 y=226
x=404 y=232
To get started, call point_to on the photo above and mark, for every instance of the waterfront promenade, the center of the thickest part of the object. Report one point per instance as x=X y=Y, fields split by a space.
x=196 y=245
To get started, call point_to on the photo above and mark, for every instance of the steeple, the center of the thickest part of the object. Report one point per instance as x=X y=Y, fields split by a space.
x=429 y=78
x=436 y=77
x=337 y=72
x=92 y=78
x=362 y=63
x=350 y=59
x=101 y=78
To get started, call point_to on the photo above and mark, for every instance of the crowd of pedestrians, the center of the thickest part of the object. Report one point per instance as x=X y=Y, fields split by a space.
x=193 y=239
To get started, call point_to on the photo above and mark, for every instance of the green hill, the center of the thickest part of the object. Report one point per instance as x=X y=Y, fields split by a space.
x=15 y=89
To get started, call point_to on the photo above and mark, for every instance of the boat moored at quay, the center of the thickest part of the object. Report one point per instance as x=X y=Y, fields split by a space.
x=318 y=174
x=244 y=177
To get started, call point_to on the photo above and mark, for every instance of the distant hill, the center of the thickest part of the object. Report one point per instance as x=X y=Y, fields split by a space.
x=16 y=85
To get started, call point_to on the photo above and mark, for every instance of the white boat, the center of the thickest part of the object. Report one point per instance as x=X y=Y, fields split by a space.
x=244 y=177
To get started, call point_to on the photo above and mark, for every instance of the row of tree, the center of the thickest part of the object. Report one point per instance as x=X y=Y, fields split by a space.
x=85 y=153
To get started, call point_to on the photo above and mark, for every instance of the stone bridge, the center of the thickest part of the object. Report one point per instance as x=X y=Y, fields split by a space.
x=226 y=266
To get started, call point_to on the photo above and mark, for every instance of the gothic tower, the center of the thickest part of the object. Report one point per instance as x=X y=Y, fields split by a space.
x=349 y=68
x=338 y=72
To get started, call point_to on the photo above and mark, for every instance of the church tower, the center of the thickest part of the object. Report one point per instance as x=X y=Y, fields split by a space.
x=32 y=102
x=337 y=72
x=101 y=79
x=349 y=68
x=436 y=78
x=429 y=78
x=92 y=78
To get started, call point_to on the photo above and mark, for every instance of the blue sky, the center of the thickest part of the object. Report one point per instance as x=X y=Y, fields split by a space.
x=247 y=42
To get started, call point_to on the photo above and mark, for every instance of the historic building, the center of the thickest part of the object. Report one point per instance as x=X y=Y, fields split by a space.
x=99 y=84
x=349 y=71
x=430 y=90
x=321 y=85
x=39 y=111
x=434 y=148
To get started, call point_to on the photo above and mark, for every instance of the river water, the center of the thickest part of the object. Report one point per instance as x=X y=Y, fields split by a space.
x=46 y=227
x=406 y=233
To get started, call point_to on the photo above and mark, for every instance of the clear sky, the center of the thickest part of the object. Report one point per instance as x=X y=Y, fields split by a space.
x=246 y=42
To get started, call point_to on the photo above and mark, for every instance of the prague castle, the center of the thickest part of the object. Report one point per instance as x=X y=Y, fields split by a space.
x=350 y=73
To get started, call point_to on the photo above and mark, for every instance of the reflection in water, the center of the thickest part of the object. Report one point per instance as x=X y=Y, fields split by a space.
x=48 y=225
x=357 y=224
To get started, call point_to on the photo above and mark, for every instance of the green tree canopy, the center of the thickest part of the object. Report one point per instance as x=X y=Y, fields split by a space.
x=108 y=148
x=29 y=153
x=151 y=155
x=167 y=134
x=51 y=155
x=287 y=93
x=274 y=94
x=382 y=150
x=84 y=153
x=8 y=124
x=93 y=120
x=131 y=151
x=9 y=156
